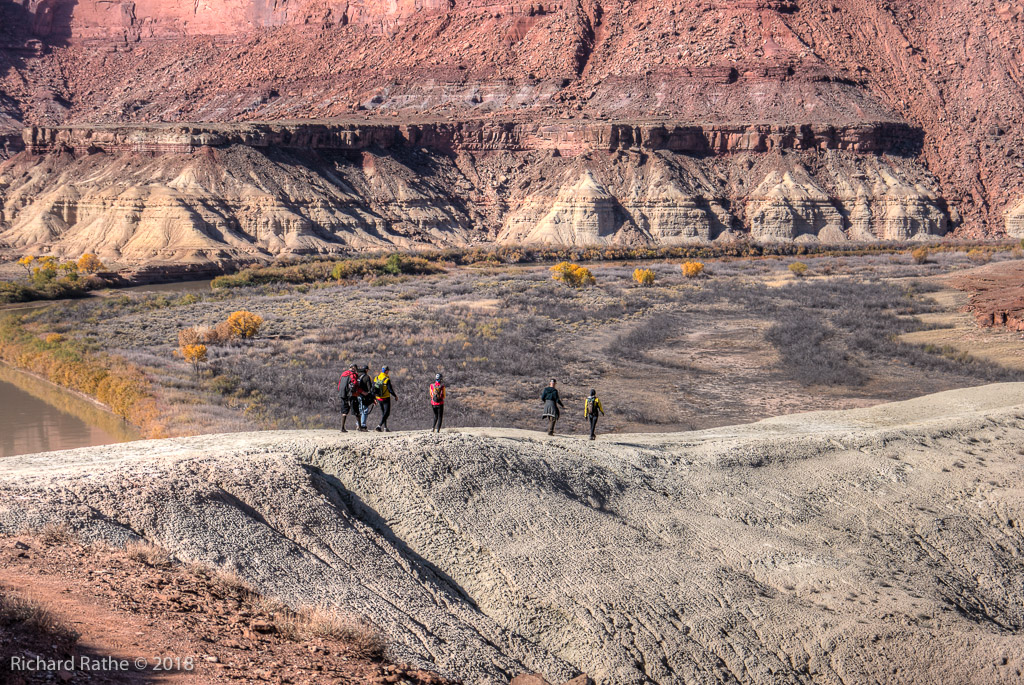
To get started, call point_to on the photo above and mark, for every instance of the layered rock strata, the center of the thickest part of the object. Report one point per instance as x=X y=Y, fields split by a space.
x=569 y=138
x=1015 y=220
x=842 y=69
x=206 y=193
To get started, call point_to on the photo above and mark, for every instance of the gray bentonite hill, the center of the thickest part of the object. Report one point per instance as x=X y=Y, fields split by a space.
x=874 y=545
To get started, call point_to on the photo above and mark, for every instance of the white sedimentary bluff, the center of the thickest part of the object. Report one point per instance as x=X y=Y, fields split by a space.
x=872 y=205
x=1015 y=220
x=783 y=209
x=197 y=198
x=671 y=215
x=210 y=206
x=584 y=213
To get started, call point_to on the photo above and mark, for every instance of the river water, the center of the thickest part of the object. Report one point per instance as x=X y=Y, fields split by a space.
x=37 y=416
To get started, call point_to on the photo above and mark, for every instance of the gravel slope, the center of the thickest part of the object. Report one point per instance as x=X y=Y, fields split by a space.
x=879 y=544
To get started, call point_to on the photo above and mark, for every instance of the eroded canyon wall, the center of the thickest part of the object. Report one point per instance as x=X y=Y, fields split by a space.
x=925 y=100
x=252 y=191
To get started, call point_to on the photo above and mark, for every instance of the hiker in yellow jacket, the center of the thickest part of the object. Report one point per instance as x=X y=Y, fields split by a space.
x=591 y=409
x=383 y=391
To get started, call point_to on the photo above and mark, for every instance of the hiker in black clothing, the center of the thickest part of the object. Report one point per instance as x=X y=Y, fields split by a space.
x=366 y=398
x=437 y=394
x=348 y=386
x=383 y=390
x=551 y=404
x=591 y=408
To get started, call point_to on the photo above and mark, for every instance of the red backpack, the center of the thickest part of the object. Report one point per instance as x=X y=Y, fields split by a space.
x=349 y=384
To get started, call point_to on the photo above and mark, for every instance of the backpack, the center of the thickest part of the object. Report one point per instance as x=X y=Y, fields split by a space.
x=346 y=383
x=591 y=406
x=437 y=393
x=378 y=385
x=353 y=385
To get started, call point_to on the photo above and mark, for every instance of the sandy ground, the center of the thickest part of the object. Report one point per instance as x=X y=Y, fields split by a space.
x=868 y=545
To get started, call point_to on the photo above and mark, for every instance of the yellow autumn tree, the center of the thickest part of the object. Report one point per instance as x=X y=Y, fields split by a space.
x=692 y=269
x=245 y=324
x=643 y=277
x=572 y=275
x=45 y=270
x=27 y=261
x=90 y=264
x=194 y=355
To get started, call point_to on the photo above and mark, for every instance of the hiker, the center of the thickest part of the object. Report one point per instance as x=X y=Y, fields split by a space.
x=348 y=386
x=366 y=398
x=551 y=404
x=437 y=393
x=383 y=390
x=591 y=408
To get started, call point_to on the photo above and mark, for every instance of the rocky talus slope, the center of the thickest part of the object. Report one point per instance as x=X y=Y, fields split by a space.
x=874 y=545
x=663 y=104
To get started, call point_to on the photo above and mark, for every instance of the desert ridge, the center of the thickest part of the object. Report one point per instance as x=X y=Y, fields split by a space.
x=702 y=546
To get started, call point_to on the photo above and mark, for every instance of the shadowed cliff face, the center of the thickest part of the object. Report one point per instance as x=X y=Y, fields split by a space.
x=938 y=82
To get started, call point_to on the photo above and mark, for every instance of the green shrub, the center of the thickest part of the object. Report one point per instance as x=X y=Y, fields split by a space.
x=15 y=292
x=323 y=271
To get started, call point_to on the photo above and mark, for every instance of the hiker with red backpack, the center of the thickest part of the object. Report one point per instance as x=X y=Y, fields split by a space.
x=348 y=387
x=437 y=394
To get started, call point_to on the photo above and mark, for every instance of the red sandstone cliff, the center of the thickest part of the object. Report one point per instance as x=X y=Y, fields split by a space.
x=939 y=82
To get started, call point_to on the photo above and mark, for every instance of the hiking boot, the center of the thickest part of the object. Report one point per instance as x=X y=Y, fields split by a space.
x=378 y=429
x=593 y=437
x=344 y=431
x=551 y=432
x=386 y=429
x=363 y=429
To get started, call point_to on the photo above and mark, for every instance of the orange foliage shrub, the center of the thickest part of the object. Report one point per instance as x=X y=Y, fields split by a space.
x=189 y=336
x=245 y=324
x=194 y=355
